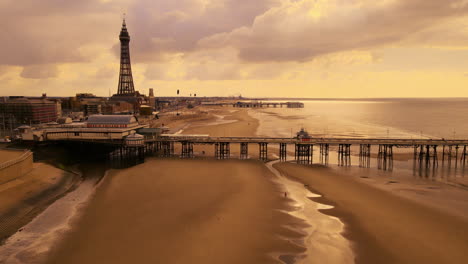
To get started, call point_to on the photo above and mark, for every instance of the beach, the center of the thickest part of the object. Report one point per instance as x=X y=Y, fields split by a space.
x=184 y=211
x=208 y=211
x=389 y=218
x=24 y=197
x=188 y=211
x=386 y=227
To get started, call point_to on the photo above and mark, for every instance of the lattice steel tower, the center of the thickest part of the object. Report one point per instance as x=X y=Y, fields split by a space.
x=125 y=77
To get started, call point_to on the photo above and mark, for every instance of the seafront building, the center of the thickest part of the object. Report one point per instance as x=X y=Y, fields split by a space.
x=16 y=111
x=90 y=104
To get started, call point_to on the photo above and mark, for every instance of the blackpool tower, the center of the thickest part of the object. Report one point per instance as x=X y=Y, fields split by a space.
x=126 y=87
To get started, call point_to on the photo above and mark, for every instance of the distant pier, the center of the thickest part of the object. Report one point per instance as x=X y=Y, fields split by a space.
x=257 y=104
x=269 y=104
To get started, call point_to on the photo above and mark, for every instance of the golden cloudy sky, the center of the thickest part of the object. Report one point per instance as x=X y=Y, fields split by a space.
x=274 y=48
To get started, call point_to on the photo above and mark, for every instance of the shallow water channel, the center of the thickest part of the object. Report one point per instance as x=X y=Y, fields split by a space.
x=324 y=240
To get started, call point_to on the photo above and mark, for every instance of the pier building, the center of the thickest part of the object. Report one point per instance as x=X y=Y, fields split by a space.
x=98 y=128
x=112 y=121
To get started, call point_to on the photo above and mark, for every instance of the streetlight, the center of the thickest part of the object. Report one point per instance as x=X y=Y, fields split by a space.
x=177 y=102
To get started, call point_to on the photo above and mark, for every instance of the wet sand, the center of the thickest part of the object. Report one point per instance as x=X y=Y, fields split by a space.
x=184 y=211
x=244 y=125
x=26 y=196
x=190 y=119
x=438 y=212
x=385 y=227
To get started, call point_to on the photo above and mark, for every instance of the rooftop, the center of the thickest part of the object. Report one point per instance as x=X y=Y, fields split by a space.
x=112 y=119
x=23 y=100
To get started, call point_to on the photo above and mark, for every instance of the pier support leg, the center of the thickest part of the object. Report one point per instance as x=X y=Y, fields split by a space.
x=450 y=153
x=244 y=150
x=385 y=157
x=141 y=154
x=225 y=150
x=263 y=151
x=364 y=155
x=443 y=155
x=282 y=152
x=464 y=156
x=344 y=155
x=222 y=150
x=216 y=145
x=187 y=150
x=311 y=154
x=157 y=146
x=324 y=152
x=428 y=159
x=167 y=148
x=304 y=153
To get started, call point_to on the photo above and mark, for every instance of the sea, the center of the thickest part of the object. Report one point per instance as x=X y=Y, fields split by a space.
x=424 y=118
x=381 y=118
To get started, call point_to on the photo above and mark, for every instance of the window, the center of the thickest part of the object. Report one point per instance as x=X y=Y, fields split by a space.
x=77 y=134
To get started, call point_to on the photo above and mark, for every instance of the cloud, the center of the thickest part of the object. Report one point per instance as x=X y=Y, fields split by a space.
x=449 y=33
x=176 y=26
x=57 y=31
x=206 y=66
x=40 y=71
x=214 y=71
x=302 y=30
x=3 y=70
x=106 y=72
x=53 y=31
x=236 y=45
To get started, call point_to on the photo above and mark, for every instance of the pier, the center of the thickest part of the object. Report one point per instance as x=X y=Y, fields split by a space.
x=132 y=142
x=257 y=104
x=426 y=152
x=268 y=104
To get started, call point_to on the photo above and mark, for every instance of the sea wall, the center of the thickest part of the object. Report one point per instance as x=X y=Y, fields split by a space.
x=16 y=167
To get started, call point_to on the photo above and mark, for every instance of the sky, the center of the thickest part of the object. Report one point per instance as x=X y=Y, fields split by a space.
x=253 y=48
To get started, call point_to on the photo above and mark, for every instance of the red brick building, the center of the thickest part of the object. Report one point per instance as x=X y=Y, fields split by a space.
x=18 y=111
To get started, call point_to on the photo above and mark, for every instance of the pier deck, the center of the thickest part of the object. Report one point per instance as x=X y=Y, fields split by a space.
x=330 y=140
x=426 y=152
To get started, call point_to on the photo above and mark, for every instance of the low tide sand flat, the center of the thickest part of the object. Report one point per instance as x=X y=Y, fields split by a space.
x=172 y=211
x=386 y=228
x=23 y=198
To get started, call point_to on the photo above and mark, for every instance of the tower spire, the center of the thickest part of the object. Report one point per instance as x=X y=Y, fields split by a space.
x=126 y=86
